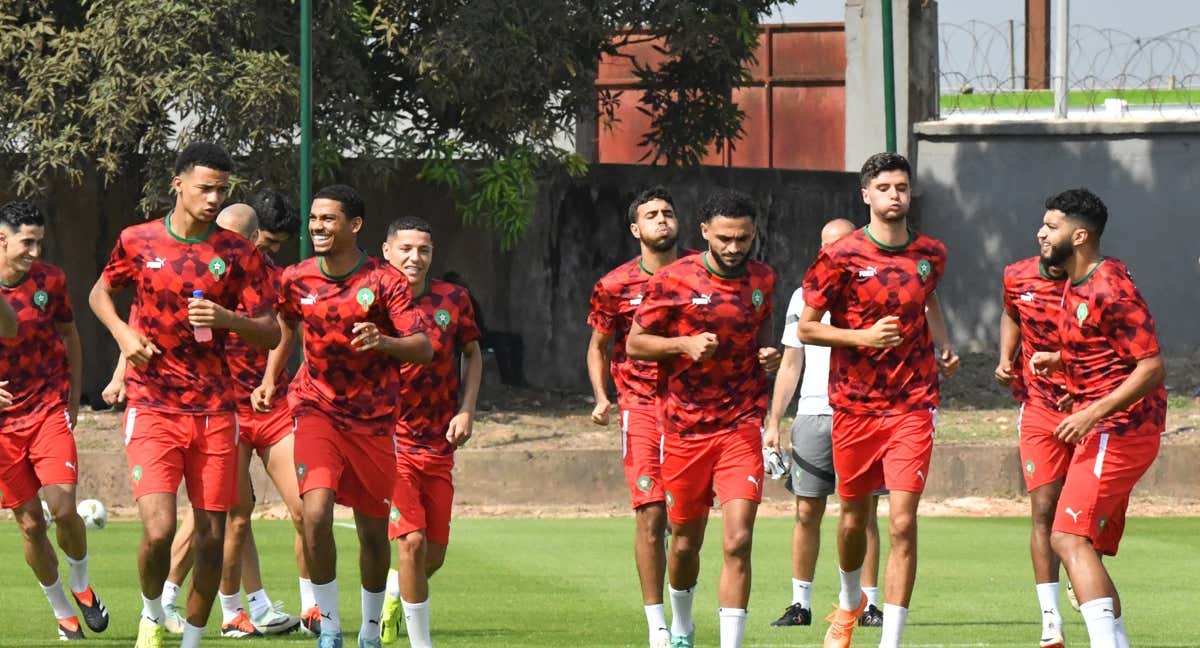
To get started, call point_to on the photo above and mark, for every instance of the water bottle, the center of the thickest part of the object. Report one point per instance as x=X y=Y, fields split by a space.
x=202 y=333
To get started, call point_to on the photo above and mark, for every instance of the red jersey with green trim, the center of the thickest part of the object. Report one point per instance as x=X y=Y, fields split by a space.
x=860 y=281
x=615 y=299
x=1032 y=298
x=1106 y=328
x=729 y=390
x=335 y=379
x=188 y=377
x=429 y=397
x=35 y=361
x=248 y=363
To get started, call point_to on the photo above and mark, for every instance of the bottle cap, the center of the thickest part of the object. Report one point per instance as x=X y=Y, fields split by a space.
x=198 y=294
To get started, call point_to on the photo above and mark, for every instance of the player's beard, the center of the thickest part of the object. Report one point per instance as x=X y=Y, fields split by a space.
x=1058 y=254
x=663 y=244
x=725 y=268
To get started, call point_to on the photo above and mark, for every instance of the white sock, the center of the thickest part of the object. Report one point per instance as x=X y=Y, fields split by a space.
x=372 y=611
x=681 y=610
x=326 y=597
x=258 y=602
x=872 y=595
x=307 y=598
x=733 y=626
x=392 y=587
x=170 y=593
x=851 y=593
x=58 y=599
x=191 y=636
x=416 y=617
x=656 y=618
x=1098 y=615
x=79 y=573
x=1047 y=594
x=231 y=604
x=1119 y=627
x=802 y=593
x=152 y=609
x=894 y=618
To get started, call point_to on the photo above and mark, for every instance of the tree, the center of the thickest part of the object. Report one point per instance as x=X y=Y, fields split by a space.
x=485 y=92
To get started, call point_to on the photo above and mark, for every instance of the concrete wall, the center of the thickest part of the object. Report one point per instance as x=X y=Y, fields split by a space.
x=981 y=189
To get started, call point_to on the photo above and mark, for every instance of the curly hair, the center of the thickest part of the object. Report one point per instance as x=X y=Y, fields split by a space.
x=881 y=162
x=730 y=203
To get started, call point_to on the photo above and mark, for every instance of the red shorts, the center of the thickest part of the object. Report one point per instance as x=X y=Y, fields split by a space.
x=875 y=451
x=694 y=468
x=261 y=430
x=358 y=465
x=35 y=451
x=1044 y=457
x=163 y=448
x=423 y=496
x=1099 y=480
x=641 y=453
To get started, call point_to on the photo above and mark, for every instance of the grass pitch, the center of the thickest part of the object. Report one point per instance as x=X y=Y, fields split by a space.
x=538 y=582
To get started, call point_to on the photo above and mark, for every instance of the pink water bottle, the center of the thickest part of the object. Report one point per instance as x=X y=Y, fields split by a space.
x=202 y=333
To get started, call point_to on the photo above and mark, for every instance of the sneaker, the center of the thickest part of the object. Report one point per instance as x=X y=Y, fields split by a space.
x=389 y=621
x=239 y=627
x=370 y=643
x=872 y=617
x=1071 y=597
x=173 y=621
x=1052 y=635
x=841 y=625
x=95 y=615
x=329 y=640
x=69 y=630
x=275 y=621
x=795 y=615
x=310 y=621
x=683 y=641
x=660 y=638
x=150 y=634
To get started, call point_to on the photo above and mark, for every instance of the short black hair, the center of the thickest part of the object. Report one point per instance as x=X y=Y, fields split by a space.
x=1083 y=207
x=730 y=203
x=657 y=192
x=20 y=212
x=352 y=203
x=275 y=213
x=205 y=154
x=881 y=162
x=409 y=223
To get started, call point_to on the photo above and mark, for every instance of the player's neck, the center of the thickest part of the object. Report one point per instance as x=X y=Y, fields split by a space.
x=10 y=275
x=652 y=260
x=184 y=226
x=342 y=262
x=1082 y=263
x=892 y=233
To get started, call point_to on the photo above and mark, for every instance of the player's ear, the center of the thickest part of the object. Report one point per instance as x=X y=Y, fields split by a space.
x=176 y=184
x=356 y=224
x=866 y=196
x=633 y=229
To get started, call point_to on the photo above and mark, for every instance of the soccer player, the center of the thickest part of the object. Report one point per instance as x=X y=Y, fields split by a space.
x=359 y=324
x=1029 y=323
x=189 y=278
x=1109 y=354
x=878 y=286
x=615 y=299
x=813 y=478
x=706 y=319
x=435 y=419
x=39 y=403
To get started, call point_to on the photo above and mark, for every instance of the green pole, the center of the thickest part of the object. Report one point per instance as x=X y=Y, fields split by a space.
x=305 y=123
x=889 y=77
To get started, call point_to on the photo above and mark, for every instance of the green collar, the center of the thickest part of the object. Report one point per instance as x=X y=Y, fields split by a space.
x=361 y=260
x=16 y=283
x=642 y=265
x=718 y=273
x=890 y=248
x=184 y=239
x=424 y=288
x=1046 y=275
x=1090 y=272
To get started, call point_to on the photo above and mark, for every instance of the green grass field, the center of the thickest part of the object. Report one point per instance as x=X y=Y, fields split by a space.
x=536 y=582
x=1076 y=99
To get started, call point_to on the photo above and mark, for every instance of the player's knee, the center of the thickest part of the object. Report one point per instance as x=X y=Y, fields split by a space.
x=32 y=524
x=1066 y=544
x=409 y=545
x=809 y=517
x=685 y=545
x=434 y=563
x=238 y=524
x=903 y=529
x=737 y=544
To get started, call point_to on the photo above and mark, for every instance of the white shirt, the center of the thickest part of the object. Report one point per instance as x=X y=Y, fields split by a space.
x=814 y=388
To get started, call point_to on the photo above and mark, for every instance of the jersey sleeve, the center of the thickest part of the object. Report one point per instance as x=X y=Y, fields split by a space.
x=288 y=309
x=603 y=311
x=1006 y=291
x=406 y=318
x=768 y=305
x=468 y=330
x=791 y=322
x=1127 y=324
x=120 y=271
x=939 y=267
x=659 y=305
x=259 y=288
x=824 y=282
x=62 y=311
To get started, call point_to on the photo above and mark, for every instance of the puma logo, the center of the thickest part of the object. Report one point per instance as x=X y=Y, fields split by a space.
x=752 y=480
x=921 y=474
x=867 y=272
x=156 y=263
x=71 y=466
x=308 y=300
x=327 y=616
x=1027 y=297
x=702 y=300
x=1074 y=514
x=635 y=301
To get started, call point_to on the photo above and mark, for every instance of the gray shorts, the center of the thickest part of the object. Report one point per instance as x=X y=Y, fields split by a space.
x=812 y=457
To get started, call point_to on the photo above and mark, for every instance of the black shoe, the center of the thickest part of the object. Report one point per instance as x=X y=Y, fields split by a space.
x=69 y=630
x=872 y=617
x=95 y=615
x=794 y=615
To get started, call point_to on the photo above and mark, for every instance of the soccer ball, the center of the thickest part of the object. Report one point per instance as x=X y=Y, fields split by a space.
x=46 y=514
x=94 y=515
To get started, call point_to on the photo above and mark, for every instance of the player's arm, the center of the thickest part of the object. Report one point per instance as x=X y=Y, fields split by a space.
x=642 y=345
x=70 y=338
x=947 y=359
x=114 y=392
x=884 y=333
x=8 y=319
x=768 y=355
x=260 y=398
x=459 y=431
x=791 y=368
x=1010 y=340
x=260 y=330
x=1147 y=375
x=414 y=348
x=598 y=357
x=135 y=347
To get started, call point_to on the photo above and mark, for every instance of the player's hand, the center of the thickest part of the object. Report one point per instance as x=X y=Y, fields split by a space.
x=202 y=312
x=600 y=413
x=459 y=431
x=367 y=336
x=6 y=398
x=260 y=398
x=883 y=334
x=769 y=358
x=1076 y=426
x=1004 y=372
x=1065 y=402
x=700 y=347
x=136 y=348
x=1044 y=363
x=114 y=392
x=948 y=362
x=771 y=435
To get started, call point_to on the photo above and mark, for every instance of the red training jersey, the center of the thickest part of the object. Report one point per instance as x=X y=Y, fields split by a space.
x=248 y=363
x=615 y=299
x=859 y=281
x=187 y=377
x=729 y=390
x=1032 y=298
x=429 y=398
x=35 y=361
x=335 y=379
x=1106 y=328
